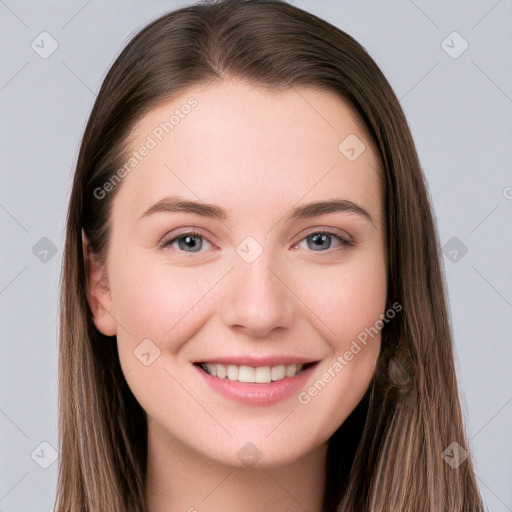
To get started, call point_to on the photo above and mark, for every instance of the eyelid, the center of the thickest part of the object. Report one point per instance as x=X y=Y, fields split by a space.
x=344 y=238
x=171 y=236
x=340 y=233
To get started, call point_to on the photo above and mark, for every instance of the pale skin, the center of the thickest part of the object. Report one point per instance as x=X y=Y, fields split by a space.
x=257 y=154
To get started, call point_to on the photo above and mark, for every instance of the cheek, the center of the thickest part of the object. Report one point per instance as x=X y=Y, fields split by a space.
x=158 y=309
x=349 y=299
x=158 y=302
x=353 y=314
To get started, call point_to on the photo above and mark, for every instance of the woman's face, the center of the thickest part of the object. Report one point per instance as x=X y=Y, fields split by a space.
x=247 y=236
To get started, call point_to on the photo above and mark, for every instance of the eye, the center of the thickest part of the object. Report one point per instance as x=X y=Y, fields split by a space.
x=186 y=242
x=318 y=241
x=321 y=241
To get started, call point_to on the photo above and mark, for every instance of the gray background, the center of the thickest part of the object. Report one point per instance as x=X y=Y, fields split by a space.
x=460 y=113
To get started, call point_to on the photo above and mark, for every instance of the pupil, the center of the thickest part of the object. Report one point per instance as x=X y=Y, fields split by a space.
x=190 y=242
x=320 y=241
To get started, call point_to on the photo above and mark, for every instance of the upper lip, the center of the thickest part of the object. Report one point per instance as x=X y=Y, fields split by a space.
x=257 y=361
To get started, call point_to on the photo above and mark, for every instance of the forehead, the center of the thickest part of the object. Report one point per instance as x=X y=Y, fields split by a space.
x=249 y=146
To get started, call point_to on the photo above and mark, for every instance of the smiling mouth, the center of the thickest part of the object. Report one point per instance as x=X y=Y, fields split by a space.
x=249 y=374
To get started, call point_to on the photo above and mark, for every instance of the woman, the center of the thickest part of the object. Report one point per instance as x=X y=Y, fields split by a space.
x=253 y=315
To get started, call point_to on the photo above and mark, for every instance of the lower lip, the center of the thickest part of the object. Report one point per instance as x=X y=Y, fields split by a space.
x=257 y=394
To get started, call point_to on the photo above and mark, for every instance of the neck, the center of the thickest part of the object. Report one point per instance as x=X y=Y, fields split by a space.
x=179 y=479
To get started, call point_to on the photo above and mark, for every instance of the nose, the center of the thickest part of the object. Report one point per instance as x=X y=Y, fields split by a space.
x=257 y=299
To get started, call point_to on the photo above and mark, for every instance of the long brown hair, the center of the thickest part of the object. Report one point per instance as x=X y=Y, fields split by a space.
x=387 y=456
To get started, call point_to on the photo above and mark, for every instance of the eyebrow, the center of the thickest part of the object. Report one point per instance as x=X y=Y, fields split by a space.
x=175 y=204
x=317 y=208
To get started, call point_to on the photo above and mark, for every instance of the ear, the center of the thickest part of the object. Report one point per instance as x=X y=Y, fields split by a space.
x=98 y=291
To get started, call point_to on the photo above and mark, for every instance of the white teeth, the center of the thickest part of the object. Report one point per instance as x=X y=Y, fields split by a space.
x=246 y=374
x=290 y=370
x=278 y=372
x=260 y=375
x=232 y=372
x=221 y=371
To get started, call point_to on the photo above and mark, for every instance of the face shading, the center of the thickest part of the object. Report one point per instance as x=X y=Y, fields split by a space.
x=246 y=255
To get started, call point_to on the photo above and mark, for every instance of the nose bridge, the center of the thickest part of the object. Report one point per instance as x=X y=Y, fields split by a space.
x=256 y=299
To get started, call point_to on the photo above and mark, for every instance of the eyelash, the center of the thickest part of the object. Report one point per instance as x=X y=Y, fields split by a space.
x=344 y=243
